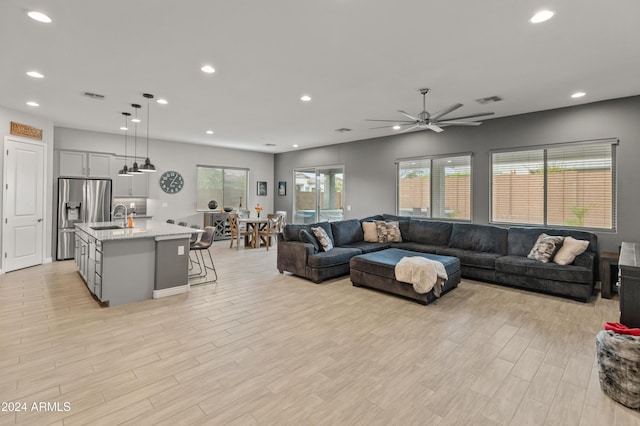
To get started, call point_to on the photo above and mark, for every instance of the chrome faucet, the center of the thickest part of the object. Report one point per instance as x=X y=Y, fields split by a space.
x=123 y=216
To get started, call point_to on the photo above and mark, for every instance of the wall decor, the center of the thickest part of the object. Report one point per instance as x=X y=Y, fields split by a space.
x=262 y=188
x=19 y=129
x=282 y=188
x=171 y=182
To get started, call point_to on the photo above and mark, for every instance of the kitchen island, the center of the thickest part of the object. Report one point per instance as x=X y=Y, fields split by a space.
x=123 y=265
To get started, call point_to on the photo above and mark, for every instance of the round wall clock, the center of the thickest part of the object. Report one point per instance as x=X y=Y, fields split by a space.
x=171 y=182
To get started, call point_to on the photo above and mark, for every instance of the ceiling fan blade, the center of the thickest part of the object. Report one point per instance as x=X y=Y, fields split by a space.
x=387 y=127
x=409 y=128
x=445 y=111
x=480 y=114
x=390 y=121
x=406 y=114
x=434 y=127
x=459 y=123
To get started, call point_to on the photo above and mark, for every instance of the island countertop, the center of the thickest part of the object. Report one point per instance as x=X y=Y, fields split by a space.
x=142 y=228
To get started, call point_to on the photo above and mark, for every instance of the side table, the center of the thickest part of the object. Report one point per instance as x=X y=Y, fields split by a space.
x=607 y=259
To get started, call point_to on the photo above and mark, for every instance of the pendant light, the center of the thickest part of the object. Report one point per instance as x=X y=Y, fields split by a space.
x=125 y=170
x=134 y=169
x=148 y=166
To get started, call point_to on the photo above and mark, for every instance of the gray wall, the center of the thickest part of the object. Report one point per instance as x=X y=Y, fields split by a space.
x=370 y=181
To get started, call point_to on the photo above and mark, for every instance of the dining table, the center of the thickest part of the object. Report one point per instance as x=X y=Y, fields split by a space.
x=254 y=225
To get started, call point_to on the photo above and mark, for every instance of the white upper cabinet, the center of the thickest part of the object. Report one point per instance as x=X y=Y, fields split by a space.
x=85 y=164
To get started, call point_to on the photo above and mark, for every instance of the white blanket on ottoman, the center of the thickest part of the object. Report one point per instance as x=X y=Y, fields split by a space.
x=423 y=273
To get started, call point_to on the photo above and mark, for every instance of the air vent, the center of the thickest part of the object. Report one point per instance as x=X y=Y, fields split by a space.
x=489 y=100
x=269 y=144
x=93 y=95
x=343 y=130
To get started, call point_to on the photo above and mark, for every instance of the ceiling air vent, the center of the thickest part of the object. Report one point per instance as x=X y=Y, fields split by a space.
x=343 y=130
x=489 y=100
x=93 y=95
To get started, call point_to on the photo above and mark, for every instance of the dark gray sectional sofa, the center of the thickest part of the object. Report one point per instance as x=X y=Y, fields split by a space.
x=486 y=252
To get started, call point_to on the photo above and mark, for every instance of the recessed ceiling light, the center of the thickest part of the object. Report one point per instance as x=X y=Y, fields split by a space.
x=295 y=145
x=396 y=127
x=124 y=128
x=209 y=132
x=208 y=69
x=33 y=104
x=39 y=16
x=305 y=98
x=543 y=15
x=135 y=120
x=35 y=74
x=162 y=101
x=578 y=95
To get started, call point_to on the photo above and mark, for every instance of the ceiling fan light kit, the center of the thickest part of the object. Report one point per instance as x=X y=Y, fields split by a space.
x=426 y=121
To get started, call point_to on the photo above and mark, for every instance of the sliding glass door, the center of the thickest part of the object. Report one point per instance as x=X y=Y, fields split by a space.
x=318 y=195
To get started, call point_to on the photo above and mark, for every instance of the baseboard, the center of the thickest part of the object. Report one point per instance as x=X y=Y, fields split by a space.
x=171 y=291
x=47 y=260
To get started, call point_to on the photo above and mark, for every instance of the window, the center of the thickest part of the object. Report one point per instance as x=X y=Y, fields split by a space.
x=228 y=186
x=438 y=187
x=569 y=185
x=318 y=194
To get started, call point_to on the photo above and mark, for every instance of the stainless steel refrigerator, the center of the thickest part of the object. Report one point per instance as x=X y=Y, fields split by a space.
x=80 y=201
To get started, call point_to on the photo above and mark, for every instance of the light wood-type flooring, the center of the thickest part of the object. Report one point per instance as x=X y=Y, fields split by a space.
x=263 y=348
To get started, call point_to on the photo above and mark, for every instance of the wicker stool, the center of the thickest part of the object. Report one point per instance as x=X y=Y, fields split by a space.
x=619 y=366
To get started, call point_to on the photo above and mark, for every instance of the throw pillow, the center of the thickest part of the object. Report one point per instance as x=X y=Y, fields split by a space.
x=388 y=232
x=306 y=237
x=545 y=247
x=370 y=232
x=323 y=238
x=569 y=250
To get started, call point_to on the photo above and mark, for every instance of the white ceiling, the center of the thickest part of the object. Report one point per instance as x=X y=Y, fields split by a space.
x=357 y=59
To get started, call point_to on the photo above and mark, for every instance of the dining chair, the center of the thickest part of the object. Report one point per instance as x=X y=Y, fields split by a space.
x=283 y=213
x=236 y=231
x=272 y=229
x=198 y=247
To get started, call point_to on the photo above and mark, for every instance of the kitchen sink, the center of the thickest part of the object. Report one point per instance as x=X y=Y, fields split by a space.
x=106 y=227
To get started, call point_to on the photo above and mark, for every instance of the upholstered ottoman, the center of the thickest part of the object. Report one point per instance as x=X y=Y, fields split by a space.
x=377 y=270
x=619 y=367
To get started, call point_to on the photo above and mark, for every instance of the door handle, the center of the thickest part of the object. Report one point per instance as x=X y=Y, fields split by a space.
x=40 y=219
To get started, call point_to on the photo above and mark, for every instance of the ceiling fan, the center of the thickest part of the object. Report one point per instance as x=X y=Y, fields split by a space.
x=435 y=122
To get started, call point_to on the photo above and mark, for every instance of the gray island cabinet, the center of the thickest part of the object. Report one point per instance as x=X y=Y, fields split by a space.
x=123 y=265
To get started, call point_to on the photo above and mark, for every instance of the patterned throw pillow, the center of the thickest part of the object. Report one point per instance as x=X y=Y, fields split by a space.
x=388 y=232
x=569 y=250
x=370 y=232
x=545 y=247
x=323 y=238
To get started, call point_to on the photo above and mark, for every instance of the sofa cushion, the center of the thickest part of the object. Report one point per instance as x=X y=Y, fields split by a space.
x=428 y=232
x=394 y=218
x=346 y=232
x=368 y=247
x=476 y=259
x=337 y=256
x=417 y=247
x=519 y=265
x=370 y=230
x=291 y=232
x=323 y=238
x=521 y=239
x=371 y=218
x=569 y=250
x=307 y=237
x=382 y=263
x=545 y=247
x=485 y=238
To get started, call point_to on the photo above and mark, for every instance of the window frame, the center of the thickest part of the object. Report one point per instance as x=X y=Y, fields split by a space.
x=222 y=168
x=431 y=159
x=612 y=142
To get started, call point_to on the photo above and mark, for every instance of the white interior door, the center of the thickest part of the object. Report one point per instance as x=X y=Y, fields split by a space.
x=23 y=205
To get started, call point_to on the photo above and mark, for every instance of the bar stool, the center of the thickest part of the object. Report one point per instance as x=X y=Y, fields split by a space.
x=198 y=247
